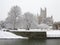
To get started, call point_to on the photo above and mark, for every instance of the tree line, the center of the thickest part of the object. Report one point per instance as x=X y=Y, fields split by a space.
x=16 y=20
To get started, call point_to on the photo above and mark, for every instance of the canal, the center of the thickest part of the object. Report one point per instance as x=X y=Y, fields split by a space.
x=29 y=42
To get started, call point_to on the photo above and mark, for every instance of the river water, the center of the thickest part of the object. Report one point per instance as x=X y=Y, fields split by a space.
x=29 y=42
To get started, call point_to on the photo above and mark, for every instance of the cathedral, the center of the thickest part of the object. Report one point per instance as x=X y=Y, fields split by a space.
x=42 y=18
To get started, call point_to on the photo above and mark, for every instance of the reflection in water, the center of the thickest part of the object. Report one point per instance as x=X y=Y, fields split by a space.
x=33 y=42
x=29 y=42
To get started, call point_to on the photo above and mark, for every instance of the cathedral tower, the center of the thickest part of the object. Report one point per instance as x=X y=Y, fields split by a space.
x=43 y=13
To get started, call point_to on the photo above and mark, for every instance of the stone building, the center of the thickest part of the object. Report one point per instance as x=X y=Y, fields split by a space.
x=56 y=26
x=42 y=18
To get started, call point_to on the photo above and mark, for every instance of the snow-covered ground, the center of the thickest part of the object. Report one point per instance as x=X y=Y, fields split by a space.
x=8 y=35
x=53 y=33
x=50 y=33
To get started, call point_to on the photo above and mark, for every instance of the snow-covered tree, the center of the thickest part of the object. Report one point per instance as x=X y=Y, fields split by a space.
x=12 y=16
x=28 y=20
x=2 y=24
x=20 y=22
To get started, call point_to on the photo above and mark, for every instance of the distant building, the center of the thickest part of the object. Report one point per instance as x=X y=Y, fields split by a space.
x=56 y=25
x=42 y=18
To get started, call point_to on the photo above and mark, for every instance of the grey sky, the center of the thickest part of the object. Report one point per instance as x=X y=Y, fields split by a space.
x=33 y=6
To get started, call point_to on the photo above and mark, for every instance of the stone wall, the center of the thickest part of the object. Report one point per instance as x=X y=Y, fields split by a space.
x=32 y=35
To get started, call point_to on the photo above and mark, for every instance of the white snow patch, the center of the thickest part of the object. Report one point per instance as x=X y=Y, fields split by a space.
x=43 y=26
x=9 y=35
x=53 y=33
x=50 y=33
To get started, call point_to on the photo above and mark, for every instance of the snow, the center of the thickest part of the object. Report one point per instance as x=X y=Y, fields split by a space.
x=53 y=33
x=8 y=35
x=31 y=30
x=49 y=32
x=43 y=26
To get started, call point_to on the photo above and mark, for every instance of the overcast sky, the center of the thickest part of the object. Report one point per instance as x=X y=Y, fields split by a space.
x=33 y=6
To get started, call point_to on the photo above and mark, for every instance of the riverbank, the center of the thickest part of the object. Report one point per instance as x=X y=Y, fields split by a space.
x=9 y=35
x=51 y=34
